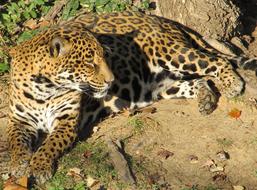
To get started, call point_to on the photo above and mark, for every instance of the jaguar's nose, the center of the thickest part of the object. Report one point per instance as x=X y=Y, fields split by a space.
x=106 y=72
x=109 y=77
x=108 y=82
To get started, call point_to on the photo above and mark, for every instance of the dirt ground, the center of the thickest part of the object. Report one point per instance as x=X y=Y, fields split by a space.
x=179 y=128
x=193 y=141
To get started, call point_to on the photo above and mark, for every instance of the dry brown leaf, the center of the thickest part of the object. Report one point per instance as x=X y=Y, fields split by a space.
x=147 y=110
x=75 y=172
x=14 y=187
x=193 y=159
x=43 y=23
x=23 y=181
x=219 y=177
x=91 y=181
x=10 y=184
x=209 y=163
x=126 y=112
x=217 y=169
x=238 y=187
x=10 y=180
x=31 y=24
x=87 y=154
x=153 y=178
x=165 y=153
x=235 y=113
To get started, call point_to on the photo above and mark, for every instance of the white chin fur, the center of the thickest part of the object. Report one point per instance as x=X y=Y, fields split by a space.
x=100 y=95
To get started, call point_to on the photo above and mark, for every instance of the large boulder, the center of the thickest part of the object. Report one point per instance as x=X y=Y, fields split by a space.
x=219 y=19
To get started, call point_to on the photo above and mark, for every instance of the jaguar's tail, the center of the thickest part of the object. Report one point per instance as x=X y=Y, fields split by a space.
x=199 y=43
x=244 y=63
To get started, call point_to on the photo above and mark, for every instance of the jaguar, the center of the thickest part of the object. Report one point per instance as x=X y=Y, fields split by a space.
x=74 y=74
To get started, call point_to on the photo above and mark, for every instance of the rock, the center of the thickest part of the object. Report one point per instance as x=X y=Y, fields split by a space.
x=219 y=19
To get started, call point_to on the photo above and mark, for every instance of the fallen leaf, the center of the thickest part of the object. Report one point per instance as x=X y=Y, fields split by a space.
x=10 y=180
x=75 y=172
x=238 y=187
x=219 y=177
x=14 y=187
x=165 y=153
x=193 y=159
x=216 y=169
x=150 y=110
x=87 y=154
x=31 y=24
x=91 y=181
x=153 y=178
x=43 y=23
x=127 y=112
x=235 y=113
x=23 y=181
x=209 y=163
x=10 y=184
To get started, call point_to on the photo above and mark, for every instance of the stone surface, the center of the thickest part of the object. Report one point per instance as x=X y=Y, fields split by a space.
x=219 y=19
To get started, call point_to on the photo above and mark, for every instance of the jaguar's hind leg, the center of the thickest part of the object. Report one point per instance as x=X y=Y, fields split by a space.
x=195 y=62
x=197 y=88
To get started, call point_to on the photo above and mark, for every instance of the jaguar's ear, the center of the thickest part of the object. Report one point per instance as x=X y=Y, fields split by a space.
x=59 y=47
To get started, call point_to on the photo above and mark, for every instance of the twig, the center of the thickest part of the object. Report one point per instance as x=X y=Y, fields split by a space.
x=120 y=163
x=55 y=10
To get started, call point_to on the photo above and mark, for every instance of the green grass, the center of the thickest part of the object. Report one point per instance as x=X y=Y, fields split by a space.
x=97 y=165
x=210 y=187
x=4 y=65
x=1 y=184
x=196 y=187
x=255 y=173
x=237 y=99
x=137 y=124
x=224 y=142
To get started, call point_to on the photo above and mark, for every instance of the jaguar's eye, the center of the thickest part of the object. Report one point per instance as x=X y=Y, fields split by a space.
x=93 y=65
x=96 y=67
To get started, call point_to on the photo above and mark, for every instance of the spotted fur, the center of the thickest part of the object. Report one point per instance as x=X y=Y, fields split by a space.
x=55 y=75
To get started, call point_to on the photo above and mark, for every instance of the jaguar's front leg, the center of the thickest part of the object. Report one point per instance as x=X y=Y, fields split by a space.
x=20 y=136
x=63 y=135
